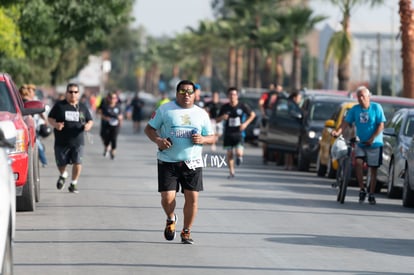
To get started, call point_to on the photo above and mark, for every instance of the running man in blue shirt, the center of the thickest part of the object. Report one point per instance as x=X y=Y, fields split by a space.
x=180 y=128
x=368 y=118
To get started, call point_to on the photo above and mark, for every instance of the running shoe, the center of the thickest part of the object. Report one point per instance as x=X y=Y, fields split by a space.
x=362 y=196
x=371 y=199
x=186 y=237
x=73 y=188
x=231 y=176
x=60 y=183
x=169 y=232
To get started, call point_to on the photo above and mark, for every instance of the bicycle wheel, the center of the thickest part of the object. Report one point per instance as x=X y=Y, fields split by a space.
x=346 y=174
x=339 y=180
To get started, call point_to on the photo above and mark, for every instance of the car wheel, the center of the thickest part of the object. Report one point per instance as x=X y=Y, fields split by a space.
x=320 y=168
x=36 y=173
x=408 y=193
x=392 y=191
x=26 y=202
x=8 y=254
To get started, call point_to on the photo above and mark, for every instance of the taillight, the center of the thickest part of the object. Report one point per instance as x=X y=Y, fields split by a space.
x=20 y=144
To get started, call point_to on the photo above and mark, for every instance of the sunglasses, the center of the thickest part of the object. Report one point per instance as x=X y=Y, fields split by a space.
x=73 y=92
x=183 y=92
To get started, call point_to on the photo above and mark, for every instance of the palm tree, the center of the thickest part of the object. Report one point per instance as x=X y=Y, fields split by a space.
x=340 y=45
x=407 y=51
x=295 y=24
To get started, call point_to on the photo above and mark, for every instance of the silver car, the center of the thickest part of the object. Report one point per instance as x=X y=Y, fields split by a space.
x=398 y=133
x=7 y=198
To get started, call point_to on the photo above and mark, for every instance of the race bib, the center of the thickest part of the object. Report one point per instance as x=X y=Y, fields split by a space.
x=72 y=116
x=234 y=121
x=113 y=122
x=194 y=163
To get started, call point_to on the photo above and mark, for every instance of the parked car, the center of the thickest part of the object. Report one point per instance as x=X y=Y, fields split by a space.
x=7 y=198
x=408 y=175
x=25 y=156
x=398 y=133
x=325 y=164
x=297 y=130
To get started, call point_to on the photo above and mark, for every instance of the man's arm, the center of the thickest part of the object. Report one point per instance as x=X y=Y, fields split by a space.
x=152 y=134
x=376 y=133
x=248 y=121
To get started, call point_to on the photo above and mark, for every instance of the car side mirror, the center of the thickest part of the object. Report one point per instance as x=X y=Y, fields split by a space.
x=389 y=132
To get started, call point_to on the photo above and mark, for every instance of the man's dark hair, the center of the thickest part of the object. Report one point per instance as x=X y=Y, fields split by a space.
x=232 y=89
x=71 y=85
x=184 y=82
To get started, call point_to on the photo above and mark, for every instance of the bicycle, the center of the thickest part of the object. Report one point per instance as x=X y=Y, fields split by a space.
x=342 y=151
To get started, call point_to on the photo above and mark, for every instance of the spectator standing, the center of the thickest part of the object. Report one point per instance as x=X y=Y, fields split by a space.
x=236 y=116
x=70 y=119
x=213 y=109
x=28 y=93
x=296 y=98
x=180 y=128
x=266 y=103
x=164 y=99
x=111 y=121
x=136 y=105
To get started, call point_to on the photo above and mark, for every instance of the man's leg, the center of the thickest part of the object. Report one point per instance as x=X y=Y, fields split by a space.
x=359 y=173
x=168 y=203
x=190 y=208
x=373 y=180
x=230 y=160
x=76 y=170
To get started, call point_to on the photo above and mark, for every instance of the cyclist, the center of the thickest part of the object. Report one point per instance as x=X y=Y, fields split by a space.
x=368 y=118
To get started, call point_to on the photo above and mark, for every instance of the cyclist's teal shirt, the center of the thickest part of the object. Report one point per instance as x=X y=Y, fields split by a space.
x=178 y=124
x=366 y=122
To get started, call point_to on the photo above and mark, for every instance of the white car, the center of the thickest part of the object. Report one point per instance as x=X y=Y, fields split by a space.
x=7 y=198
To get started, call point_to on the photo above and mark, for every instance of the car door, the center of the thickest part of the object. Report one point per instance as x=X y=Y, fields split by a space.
x=285 y=124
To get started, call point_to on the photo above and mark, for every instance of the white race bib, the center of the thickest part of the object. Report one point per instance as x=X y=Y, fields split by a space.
x=71 y=116
x=234 y=121
x=194 y=163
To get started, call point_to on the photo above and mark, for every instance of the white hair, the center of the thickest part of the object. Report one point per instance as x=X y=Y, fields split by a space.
x=362 y=88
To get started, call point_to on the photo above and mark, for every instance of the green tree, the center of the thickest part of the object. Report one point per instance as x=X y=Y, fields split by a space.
x=340 y=45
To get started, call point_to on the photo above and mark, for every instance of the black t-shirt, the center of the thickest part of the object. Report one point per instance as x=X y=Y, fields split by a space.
x=75 y=118
x=213 y=109
x=112 y=113
x=237 y=115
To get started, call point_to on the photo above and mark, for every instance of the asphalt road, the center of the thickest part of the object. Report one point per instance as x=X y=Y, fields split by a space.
x=265 y=221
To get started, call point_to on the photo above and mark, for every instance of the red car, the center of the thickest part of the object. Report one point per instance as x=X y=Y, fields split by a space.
x=25 y=159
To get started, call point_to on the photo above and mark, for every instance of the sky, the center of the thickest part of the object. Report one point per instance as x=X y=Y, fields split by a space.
x=168 y=17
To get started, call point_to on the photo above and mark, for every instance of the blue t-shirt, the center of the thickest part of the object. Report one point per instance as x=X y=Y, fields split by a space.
x=366 y=122
x=179 y=124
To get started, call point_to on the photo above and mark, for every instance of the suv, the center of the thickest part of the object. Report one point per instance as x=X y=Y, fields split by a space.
x=24 y=155
x=297 y=130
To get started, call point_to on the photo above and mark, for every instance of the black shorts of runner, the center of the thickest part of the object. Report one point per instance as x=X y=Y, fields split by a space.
x=173 y=174
x=233 y=140
x=68 y=155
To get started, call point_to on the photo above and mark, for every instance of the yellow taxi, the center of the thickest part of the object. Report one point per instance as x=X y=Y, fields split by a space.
x=324 y=163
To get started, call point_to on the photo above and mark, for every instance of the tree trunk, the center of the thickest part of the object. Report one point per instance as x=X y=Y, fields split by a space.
x=296 y=82
x=239 y=68
x=251 y=67
x=343 y=76
x=231 y=67
x=279 y=70
x=267 y=72
x=407 y=50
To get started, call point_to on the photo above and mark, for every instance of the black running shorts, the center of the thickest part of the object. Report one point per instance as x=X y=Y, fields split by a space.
x=173 y=174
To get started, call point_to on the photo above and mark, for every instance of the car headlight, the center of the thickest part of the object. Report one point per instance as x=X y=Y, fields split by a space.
x=312 y=134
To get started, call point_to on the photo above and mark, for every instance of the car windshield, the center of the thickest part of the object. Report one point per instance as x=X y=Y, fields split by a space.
x=391 y=108
x=409 y=127
x=323 y=110
x=6 y=102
